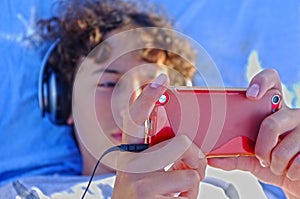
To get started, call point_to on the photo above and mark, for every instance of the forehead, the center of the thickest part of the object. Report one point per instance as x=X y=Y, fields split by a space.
x=122 y=52
x=110 y=60
x=123 y=47
x=119 y=51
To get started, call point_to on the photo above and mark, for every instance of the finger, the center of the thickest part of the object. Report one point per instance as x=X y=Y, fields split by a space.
x=262 y=82
x=174 y=197
x=157 y=184
x=193 y=192
x=270 y=129
x=135 y=117
x=193 y=158
x=293 y=172
x=250 y=164
x=284 y=152
x=228 y=163
x=181 y=165
x=163 y=154
x=183 y=181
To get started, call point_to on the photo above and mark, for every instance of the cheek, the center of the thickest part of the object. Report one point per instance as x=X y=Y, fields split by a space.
x=109 y=119
x=103 y=108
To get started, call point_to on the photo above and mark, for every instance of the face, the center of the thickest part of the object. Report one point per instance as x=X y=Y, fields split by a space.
x=107 y=82
x=115 y=83
x=119 y=85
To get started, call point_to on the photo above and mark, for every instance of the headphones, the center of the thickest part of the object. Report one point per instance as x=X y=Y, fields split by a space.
x=54 y=93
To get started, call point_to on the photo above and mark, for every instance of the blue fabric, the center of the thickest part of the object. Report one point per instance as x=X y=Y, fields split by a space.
x=60 y=187
x=29 y=144
x=230 y=31
x=234 y=32
x=272 y=192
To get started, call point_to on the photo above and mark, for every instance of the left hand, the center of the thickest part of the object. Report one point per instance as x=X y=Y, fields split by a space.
x=277 y=147
x=142 y=175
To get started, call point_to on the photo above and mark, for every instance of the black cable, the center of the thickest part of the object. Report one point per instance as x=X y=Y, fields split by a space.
x=122 y=148
x=228 y=188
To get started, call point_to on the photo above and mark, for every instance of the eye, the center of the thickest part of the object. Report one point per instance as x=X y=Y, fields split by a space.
x=107 y=84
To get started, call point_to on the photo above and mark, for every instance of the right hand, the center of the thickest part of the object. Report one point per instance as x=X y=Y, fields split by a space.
x=185 y=174
x=277 y=151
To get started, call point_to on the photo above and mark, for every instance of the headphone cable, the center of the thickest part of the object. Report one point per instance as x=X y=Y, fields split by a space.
x=123 y=148
x=228 y=188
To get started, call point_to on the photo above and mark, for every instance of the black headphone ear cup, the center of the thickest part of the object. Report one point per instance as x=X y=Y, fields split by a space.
x=53 y=91
x=58 y=98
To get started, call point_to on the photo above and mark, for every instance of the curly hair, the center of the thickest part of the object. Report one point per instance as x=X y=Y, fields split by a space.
x=83 y=24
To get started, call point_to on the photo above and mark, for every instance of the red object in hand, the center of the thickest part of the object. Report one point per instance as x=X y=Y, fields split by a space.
x=164 y=134
x=221 y=122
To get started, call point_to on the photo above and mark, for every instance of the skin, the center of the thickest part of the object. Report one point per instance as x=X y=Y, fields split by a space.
x=117 y=81
x=123 y=81
x=185 y=174
x=277 y=148
x=276 y=162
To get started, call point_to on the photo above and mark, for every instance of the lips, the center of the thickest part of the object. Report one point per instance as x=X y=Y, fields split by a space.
x=117 y=136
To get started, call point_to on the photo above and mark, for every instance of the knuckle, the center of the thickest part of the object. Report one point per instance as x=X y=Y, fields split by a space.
x=193 y=175
x=267 y=138
x=273 y=72
x=279 y=161
x=276 y=170
x=296 y=163
x=294 y=171
x=279 y=154
x=270 y=126
x=263 y=80
x=265 y=76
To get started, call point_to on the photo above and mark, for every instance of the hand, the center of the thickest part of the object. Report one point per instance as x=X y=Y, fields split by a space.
x=277 y=147
x=142 y=175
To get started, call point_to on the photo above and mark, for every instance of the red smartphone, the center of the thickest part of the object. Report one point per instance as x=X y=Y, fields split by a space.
x=221 y=122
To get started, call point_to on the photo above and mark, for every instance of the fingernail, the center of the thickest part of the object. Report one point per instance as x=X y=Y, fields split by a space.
x=253 y=90
x=201 y=155
x=263 y=163
x=159 y=81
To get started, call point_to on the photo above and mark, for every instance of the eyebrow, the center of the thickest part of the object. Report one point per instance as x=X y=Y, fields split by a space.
x=106 y=70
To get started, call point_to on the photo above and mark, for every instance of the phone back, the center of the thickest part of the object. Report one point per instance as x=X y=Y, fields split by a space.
x=222 y=122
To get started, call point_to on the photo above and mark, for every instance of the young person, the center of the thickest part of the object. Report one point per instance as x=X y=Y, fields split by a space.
x=259 y=85
x=94 y=23
x=91 y=31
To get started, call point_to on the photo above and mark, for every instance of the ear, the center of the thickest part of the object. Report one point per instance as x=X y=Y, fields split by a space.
x=70 y=120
